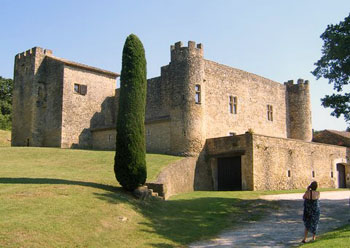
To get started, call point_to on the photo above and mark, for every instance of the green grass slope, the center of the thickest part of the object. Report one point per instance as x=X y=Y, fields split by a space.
x=69 y=198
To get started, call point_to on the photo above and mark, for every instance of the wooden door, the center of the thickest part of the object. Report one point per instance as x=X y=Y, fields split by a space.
x=341 y=176
x=229 y=173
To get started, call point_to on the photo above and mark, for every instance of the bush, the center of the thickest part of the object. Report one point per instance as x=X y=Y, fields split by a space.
x=5 y=122
x=130 y=161
x=6 y=86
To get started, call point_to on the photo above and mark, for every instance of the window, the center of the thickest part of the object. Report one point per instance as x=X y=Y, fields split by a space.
x=80 y=89
x=233 y=104
x=288 y=173
x=110 y=138
x=231 y=134
x=331 y=174
x=198 y=93
x=269 y=112
x=313 y=173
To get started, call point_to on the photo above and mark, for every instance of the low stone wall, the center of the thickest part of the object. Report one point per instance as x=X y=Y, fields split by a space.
x=177 y=178
x=292 y=164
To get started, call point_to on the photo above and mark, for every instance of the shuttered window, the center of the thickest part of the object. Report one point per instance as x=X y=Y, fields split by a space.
x=80 y=89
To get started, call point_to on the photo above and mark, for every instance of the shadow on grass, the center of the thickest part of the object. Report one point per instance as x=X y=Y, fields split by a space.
x=27 y=180
x=179 y=221
x=183 y=221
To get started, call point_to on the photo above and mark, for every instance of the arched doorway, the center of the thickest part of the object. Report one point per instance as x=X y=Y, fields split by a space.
x=341 y=176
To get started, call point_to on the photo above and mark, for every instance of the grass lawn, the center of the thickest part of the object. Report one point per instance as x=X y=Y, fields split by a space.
x=338 y=239
x=69 y=198
x=5 y=138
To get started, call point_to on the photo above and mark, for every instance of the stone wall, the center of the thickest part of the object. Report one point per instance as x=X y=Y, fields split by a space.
x=293 y=164
x=178 y=177
x=23 y=98
x=37 y=99
x=299 y=125
x=49 y=102
x=157 y=101
x=104 y=139
x=253 y=94
x=158 y=136
x=78 y=109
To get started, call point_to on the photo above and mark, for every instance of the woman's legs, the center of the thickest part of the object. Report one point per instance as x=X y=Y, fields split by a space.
x=305 y=235
x=314 y=236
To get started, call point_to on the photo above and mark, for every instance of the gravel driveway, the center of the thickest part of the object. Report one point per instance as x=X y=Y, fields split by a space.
x=284 y=227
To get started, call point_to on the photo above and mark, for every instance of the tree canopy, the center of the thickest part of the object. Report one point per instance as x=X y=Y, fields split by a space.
x=6 y=87
x=334 y=65
x=130 y=158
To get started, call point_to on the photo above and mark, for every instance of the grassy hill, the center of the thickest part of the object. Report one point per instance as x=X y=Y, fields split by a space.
x=69 y=198
x=5 y=138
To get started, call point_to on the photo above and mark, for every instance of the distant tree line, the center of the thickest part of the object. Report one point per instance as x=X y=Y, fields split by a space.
x=6 y=86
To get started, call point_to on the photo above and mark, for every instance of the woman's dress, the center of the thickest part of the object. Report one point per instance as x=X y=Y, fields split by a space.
x=311 y=215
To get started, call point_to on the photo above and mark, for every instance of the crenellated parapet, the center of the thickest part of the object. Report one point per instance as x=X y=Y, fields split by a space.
x=299 y=110
x=301 y=85
x=32 y=52
x=180 y=53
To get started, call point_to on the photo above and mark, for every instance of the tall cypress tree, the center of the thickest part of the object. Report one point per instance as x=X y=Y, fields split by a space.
x=130 y=156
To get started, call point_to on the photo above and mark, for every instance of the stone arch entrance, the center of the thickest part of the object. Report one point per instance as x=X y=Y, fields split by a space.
x=341 y=176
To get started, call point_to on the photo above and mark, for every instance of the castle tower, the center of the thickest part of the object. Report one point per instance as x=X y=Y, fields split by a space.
x=299 y=124
x=187 y=99
x=28 y=94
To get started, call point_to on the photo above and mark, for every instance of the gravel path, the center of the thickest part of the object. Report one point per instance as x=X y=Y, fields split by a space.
x=284 y=228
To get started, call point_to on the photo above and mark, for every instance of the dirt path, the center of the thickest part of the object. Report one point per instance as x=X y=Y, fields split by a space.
x=284 y=228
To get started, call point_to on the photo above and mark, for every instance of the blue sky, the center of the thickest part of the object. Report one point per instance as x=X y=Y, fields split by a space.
x=275 y=39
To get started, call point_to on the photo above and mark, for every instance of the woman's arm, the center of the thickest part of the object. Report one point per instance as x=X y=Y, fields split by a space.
x=306 y=195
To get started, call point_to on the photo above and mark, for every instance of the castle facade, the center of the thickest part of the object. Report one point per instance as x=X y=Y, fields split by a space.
x=226 y=117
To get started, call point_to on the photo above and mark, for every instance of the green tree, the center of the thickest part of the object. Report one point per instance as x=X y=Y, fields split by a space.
x=130 y=157
x=6 y=86
x=334 y=65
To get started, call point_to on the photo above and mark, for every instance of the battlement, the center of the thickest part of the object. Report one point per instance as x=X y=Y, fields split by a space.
x=179 y=53
x=33 y=51
x=300 y=85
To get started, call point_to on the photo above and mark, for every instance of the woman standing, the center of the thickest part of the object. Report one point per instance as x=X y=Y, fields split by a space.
x=311 y=214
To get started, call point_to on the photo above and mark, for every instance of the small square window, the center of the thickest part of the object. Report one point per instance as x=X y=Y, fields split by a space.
x=231 y=134
x=80 y=89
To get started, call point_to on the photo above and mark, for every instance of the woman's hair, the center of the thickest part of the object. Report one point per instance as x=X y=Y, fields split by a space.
x=313 y=186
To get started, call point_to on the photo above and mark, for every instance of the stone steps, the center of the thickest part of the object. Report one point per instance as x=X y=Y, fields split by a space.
x=143 y=193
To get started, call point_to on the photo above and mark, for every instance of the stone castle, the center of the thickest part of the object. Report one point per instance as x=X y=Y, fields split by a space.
x=239 y=130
